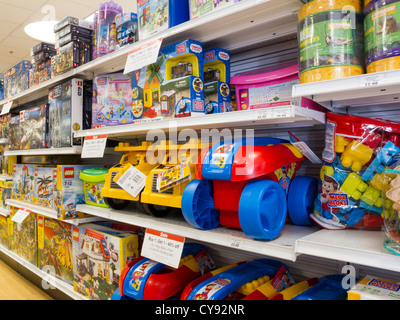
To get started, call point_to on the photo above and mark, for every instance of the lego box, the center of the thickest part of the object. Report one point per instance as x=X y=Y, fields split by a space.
x=23 y=182
x=99 y=255
x=16 y=79
x=33 y=127
x=15 y=133
x=55 y=247
x=70 y=191
x=112 y=100
x=65 y=113
x=23 y=237
x=173 y=86
x=4 y=239
x=45 y=189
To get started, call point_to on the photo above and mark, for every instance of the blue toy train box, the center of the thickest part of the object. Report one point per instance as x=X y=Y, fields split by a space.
x=112 y=100
x=217 y=76
x=127 y=28
x=155 y=16
x=173 y=86
x=16 y=79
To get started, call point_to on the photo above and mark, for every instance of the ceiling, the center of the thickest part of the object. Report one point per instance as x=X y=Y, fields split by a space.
x=15 y=45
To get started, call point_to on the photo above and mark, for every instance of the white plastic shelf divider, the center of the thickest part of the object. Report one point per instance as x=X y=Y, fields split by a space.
x=255 y=21
x=50 y=213
x=48 y=151
x=282 y=247
x=355 y=91
x=49 y=279
x=353 y=246
x=253 y=119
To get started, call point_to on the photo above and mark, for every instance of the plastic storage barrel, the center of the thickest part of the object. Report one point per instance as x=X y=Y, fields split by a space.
x=331 y=41
x=93 y=180
x=382 y=35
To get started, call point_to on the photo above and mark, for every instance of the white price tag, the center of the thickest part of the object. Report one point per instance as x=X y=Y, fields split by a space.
x=235 y=243
x=7 y=107
x=21 y=215
x=132 y=181
x=372 y=80
x=163 y=247
x=143 y=56
x=94 y=146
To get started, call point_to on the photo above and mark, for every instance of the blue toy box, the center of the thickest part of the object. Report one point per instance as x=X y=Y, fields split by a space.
x=112 y=100
x=127 y=28
x=217 y=76
x=155 y=16
x=1 y=89
x=16 y=79
x=173 y=86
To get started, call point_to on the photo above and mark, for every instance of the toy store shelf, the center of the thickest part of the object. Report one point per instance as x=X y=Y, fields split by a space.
x=49 y=279
x=253 y=119
x=48 y=151
x=354 y=246
x=362 y=90
x=50 y=213
x=283 y=247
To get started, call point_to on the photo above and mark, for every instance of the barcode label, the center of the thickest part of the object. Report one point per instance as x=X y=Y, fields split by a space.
x=132 y=181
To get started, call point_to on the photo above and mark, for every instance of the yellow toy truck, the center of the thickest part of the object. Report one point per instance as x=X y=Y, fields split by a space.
x=167 y=168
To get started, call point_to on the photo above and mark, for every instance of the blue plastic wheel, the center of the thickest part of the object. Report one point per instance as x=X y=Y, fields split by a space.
x=262 y=209
x=301 y=198
x=198 y=205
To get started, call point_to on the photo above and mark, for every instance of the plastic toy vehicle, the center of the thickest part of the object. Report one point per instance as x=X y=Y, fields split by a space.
x=249 y=186
x=145 y=279
x=295 y=290
x=222 y=284
x=166 y=177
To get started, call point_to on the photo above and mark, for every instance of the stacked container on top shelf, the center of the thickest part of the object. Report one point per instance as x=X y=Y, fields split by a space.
x=41 y=63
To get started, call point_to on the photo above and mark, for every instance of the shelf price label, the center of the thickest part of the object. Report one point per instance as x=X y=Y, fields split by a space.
x=163 y=247
x=21 y=215
x=6 y=107
x=94 y=146
x=143 y=55
x=371 y=80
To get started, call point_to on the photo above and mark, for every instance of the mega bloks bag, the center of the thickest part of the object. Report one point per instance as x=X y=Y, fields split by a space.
x=352 y=180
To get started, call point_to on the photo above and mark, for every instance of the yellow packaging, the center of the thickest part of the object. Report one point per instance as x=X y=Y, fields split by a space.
x=4 y=239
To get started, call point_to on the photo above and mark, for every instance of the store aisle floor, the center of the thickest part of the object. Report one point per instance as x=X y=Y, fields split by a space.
x=13 y=286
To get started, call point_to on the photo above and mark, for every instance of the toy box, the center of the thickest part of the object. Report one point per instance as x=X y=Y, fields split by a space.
x=74 y=30
x=5 y=126
x=199 y=8
x=45 y=188
x=15 y=134
x=173 y=86
x=34 y=127
x=269 y=87
x=23 y=182
x=93 y=181
x=67 y=58
x=155 y=16
x=72 y=21
x=73 y=37
x=4 y=239
x=43 y=46
x=55 y=247
x=70 y=191
x=5 y=192
x=16 y=79
x=375 y=288
x=217 y=76
x=127 y=28
x=23 y=237
x=106 y=32
x=2 y=88
x=112 y=100
x=65 y=113
x=99 y=255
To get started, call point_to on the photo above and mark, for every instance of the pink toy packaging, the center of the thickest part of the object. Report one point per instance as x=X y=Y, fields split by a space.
x=112 y=100
x=269 y=87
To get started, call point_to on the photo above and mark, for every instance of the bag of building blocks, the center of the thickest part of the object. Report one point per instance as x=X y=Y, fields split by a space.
x=358 y=151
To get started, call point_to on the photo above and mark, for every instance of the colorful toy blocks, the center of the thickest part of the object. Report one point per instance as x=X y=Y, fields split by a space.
x=356 y=155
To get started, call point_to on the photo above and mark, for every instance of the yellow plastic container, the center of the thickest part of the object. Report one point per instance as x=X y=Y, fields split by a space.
x=331 y=41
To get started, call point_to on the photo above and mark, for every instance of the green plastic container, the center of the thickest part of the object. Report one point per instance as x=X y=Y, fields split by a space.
x=93 y=181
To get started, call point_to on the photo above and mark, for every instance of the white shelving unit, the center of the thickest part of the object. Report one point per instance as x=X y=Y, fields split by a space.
x=40 y=152
x=50 y=280
x=355 y=91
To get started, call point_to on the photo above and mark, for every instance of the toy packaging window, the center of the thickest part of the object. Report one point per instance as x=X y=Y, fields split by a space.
x=357 y=151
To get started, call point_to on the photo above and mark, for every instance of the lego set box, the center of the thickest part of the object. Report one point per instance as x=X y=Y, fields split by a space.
x=112 y=100
x=14 y=142
x=45 y=187
x=65 y=113
x=23 y=237
x=4 y=239
x=23 y=182
x=16 y=79
x=99 y=255
x=217 y=75
x=173 y=86
x=34 y=127
x=155 y=16
x=55 y=247
x=70 y=191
